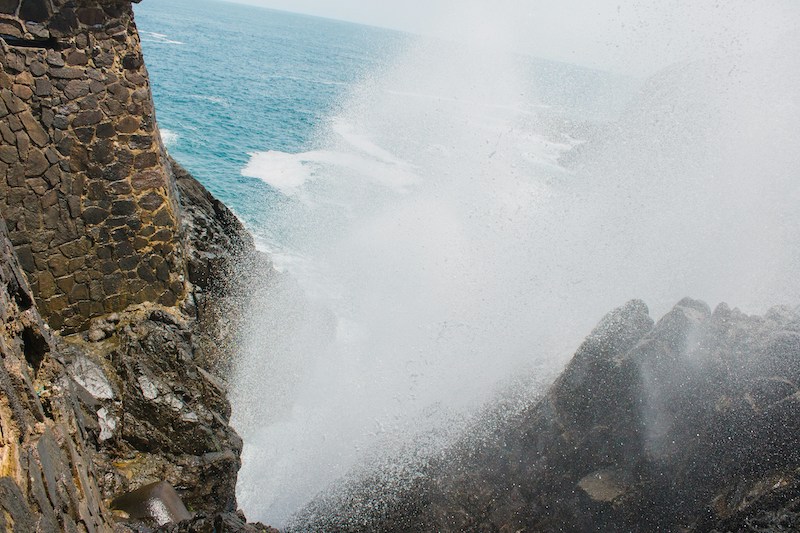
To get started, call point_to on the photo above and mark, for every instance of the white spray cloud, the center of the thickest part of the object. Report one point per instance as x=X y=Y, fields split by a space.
x=491 y=256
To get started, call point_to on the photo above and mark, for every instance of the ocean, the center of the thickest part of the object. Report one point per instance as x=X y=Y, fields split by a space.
x=456 y=216
x=230 y=80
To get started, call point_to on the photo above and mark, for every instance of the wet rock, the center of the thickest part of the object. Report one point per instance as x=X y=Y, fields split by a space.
x=224 y=267
x=16 y=515
x=107 y=425
x=221 y=523
x=602 y=486
x=689 y=424
x=154 y=414
x=218 y=240
x=154 y=504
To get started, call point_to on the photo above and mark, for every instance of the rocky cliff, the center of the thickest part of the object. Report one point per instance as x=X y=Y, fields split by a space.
x=48 y=481
x=88 y=196
x=115 y=266
x=688 y=424
x=119 y=292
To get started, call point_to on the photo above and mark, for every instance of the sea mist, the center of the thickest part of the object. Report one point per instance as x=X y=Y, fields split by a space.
x=470 y=213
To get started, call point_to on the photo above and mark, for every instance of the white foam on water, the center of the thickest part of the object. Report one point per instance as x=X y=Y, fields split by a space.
x=285 y=172
x=160 y=38
x=288 y=172
x=358 y=158
x=169 y=137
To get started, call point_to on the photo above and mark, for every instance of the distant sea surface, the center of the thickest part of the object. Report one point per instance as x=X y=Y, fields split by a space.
x=230 y=80
x=233 y=82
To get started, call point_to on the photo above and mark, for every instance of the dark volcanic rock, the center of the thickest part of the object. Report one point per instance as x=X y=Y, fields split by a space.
x=174 y=408
x=221 y=523
x=686 y=425
x=152 y=413
x=217 y=239
x=224 y=267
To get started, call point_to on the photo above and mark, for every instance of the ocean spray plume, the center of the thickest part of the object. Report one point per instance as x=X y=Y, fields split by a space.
x=457 y=235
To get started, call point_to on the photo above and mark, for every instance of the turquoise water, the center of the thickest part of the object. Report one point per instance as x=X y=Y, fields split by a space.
x=229 y=80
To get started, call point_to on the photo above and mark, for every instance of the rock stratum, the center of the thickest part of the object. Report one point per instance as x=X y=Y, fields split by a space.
x=120 y=278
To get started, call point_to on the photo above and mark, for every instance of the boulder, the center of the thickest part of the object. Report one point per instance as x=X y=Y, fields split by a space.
x=157 y=504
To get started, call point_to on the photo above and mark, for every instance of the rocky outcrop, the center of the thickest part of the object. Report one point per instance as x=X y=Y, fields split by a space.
x=85 y=186
x=224 y=268
x=86 y=420
x=157 y=416
x=217 y=240
x=107 y=395
x=48 y=481
x=689 y=424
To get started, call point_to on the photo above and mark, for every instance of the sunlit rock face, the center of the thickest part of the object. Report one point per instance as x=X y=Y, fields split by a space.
x=48 y=481
x=84 y=420
x=688 y=423
x=103 y=386
x=83 y=173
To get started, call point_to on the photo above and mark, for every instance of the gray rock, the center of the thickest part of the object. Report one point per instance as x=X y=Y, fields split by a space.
x=173 y=407
x=689 y=424
x=91 y=377
x=220 y=523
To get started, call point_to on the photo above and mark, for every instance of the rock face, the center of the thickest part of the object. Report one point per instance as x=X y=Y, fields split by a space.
x=152 y=413
x=48 y=481
x=686 y=425
x=83 y=421
x=85 y=186
x=224 y=269
x=217 y=240
x=107 y=391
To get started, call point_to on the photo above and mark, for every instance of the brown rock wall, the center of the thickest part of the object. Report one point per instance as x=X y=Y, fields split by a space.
x=85 y=187
x=47 y=477
x=98 y=238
